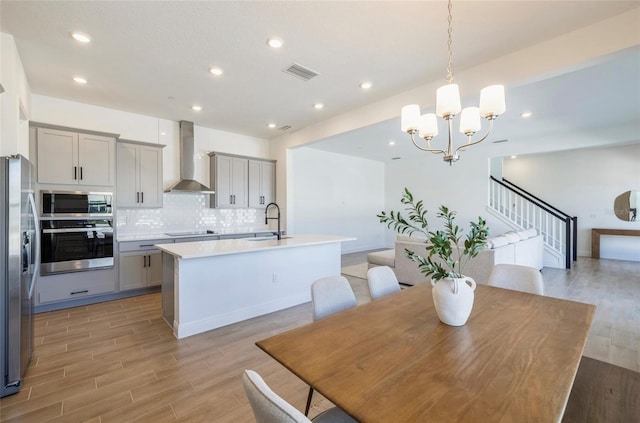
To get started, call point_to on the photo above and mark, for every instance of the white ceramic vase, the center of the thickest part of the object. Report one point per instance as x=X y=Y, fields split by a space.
x=453 y=298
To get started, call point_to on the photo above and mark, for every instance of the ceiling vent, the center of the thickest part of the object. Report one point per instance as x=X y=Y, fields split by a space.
x=299 y=71
x=284 y=128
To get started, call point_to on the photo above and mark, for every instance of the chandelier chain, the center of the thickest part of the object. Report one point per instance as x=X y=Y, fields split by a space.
x=449 y=45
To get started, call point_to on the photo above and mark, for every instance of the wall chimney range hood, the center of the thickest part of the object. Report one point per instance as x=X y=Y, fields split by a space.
x=187 y=183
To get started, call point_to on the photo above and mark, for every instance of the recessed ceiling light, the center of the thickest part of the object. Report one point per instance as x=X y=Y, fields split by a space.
x=366 y=85
x=81 y=37
x=80 y=80
x=318 y=106
x=196 y=108
x=216 y=71
x=526 y=114
x=514 y=157
x=392 y=142
x=274 y=42
x=272 y=125
x=163 y=133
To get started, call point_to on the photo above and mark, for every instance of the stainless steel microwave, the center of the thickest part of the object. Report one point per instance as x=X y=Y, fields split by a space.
x=76 y=204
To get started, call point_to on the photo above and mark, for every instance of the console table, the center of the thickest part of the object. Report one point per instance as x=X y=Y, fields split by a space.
x=595 y=237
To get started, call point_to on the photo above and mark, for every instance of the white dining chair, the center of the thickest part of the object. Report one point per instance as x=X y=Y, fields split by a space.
x=329 y=295
x=269 y=407
x=382 y=281
x=517 y=277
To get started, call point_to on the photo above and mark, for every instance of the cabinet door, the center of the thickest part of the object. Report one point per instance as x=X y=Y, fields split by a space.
x=154 y=268
x=239 y=182
x=255 y=189
x=132 y=270
x=57 y=153
x=96 y=160
x=127 y=185
x=268 y=182
x=224 y=172
x=221 y=180
x=262 y=175
x=150 y=176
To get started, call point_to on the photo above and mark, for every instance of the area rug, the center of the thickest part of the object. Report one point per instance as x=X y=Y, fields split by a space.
x=356 y=270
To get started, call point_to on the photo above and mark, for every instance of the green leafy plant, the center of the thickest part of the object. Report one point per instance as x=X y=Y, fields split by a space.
x=439 y=263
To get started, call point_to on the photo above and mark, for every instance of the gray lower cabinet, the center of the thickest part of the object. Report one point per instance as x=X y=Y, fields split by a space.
x=140 y=264
x=74 y=286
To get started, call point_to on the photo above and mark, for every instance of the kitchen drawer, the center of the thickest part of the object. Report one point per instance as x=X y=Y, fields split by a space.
x=142 y=245
x=72 y=288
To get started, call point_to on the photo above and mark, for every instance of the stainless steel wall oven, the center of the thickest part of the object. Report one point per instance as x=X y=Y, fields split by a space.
x=76 y=204
x=76 y=231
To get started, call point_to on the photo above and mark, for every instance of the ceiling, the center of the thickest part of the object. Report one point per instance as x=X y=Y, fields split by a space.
x=601 y=100
x=153 y=57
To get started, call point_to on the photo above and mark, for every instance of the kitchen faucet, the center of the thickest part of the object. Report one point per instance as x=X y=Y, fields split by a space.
x=267 y=218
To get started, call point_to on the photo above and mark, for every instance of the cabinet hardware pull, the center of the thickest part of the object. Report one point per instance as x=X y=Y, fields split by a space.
x=137 y=197
x=142 y=197
x=80 y=292
x=149 y=260
x=80 y=172
x=146 y=245
x=75 y=173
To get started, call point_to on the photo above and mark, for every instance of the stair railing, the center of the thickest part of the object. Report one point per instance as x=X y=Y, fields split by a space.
x=559 y=230
x=574 y=219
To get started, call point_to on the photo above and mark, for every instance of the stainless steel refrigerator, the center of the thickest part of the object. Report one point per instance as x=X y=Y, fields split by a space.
x=19 y=252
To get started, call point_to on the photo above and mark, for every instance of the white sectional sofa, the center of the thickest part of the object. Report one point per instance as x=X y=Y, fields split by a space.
x=523 y=247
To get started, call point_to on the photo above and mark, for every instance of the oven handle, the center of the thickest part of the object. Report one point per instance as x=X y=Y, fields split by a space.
x=71 y=230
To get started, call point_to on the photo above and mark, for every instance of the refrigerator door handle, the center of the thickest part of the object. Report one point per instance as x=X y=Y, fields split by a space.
x=36 y=226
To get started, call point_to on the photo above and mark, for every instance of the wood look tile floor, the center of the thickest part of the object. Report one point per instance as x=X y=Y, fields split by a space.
x=119 y=362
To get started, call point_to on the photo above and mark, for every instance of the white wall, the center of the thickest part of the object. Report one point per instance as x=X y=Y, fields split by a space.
x=584 y=183
x=150 y=129
x=339 y=195
x=15 y=107
x=461 y=187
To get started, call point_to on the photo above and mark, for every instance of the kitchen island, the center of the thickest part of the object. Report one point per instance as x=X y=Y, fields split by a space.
x=210 y=284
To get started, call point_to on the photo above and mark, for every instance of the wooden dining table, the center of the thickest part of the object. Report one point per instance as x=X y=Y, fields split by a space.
x=392 y=360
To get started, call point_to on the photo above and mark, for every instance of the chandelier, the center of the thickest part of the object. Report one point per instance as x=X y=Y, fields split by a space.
x=448 y=106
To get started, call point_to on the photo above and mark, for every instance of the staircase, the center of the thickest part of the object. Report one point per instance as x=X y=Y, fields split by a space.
x=522 y=210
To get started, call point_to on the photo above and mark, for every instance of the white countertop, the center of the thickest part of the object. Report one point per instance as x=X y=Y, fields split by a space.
x=189 y=250
x=163 y=235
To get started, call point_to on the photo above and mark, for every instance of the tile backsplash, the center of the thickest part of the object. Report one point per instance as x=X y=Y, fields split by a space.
x=187 y=212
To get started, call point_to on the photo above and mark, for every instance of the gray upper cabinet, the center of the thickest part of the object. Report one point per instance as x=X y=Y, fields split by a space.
x=262 y=177
x=139 y=175
x=73 y=158
x=229 y=181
